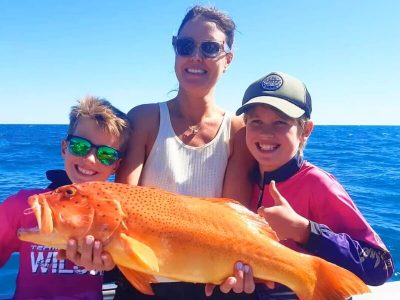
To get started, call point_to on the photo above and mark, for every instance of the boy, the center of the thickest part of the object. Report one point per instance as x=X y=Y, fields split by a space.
x=312 y=212
x=92 y=151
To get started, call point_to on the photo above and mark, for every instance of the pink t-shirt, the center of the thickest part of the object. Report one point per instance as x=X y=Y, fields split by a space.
x=41 y=275
x=319 y=197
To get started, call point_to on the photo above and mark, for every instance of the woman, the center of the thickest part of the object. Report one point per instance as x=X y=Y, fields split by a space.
x=188 y=144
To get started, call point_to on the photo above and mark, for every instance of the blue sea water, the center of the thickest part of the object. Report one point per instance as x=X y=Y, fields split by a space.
x=365 y=159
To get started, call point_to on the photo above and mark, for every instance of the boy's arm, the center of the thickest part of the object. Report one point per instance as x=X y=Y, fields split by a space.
x=237 y=183
x=373 y=265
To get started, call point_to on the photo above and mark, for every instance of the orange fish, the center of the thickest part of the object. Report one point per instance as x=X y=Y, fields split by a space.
x=150 y=233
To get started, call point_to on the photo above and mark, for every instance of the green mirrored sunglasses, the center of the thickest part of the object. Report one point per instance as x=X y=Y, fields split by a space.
x=80 y=146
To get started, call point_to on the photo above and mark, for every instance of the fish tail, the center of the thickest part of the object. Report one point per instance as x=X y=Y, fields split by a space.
x=334 y=282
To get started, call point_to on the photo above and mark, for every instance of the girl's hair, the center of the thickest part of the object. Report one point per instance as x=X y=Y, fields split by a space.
x=223 y=21
x=108 y=118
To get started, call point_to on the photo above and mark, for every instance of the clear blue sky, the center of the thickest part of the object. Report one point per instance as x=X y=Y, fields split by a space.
x=54 y=52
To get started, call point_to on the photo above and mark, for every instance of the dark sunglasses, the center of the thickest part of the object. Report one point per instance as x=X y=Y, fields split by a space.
x=209 y=49
x=80 y=146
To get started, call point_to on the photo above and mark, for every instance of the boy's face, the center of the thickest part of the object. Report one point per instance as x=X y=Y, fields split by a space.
x=88 y=168
x=272 y=138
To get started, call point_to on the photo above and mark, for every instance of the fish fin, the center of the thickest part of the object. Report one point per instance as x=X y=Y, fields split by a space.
x=140 y=281
x=144 y=256
x=334 y=282
x=244 y=213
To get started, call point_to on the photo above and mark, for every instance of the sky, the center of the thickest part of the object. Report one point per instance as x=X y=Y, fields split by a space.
x=53 y=53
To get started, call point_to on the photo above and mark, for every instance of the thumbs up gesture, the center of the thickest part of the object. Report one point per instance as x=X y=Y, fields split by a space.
x=284 y=220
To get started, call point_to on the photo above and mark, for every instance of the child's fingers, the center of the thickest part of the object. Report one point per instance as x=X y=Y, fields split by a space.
x=278 y=198
x=72 y=252
x=108 y=263
x=97 y=258
x=87 y=252
x=61 y=254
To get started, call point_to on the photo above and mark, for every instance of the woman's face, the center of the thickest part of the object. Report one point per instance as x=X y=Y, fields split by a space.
x=196 y=73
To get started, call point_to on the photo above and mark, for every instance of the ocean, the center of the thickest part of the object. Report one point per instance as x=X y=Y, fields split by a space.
x=365 y=159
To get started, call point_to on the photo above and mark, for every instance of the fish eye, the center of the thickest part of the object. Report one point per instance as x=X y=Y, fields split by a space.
x=70 y=192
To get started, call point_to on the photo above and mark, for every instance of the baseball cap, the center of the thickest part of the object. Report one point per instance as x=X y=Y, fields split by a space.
x=282 y=91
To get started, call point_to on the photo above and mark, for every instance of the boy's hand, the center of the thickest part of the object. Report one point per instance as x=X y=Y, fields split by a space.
x=284 y=220
x=92 y=256
x=242 y=281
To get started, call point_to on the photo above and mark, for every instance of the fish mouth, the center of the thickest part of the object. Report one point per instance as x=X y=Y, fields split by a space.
x=44 y=217
x=29 y=230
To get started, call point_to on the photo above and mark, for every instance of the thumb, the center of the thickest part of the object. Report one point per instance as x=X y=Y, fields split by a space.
x=278 y=198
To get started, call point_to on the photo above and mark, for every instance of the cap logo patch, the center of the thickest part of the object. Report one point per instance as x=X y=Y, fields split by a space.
x=272 y=82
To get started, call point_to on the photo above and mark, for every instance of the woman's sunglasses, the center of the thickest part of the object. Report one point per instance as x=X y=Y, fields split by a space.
x=209 y=49
x=80 y=146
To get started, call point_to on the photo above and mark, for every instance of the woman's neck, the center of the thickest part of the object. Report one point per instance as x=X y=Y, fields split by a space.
x=194 y=108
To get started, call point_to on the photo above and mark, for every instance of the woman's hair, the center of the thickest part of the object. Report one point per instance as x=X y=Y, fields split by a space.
x=107 y=117
x=223 y=21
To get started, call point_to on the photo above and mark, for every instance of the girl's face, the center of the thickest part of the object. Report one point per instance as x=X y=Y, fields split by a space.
x=272 y=138
x=196 y=73
x=88 y=168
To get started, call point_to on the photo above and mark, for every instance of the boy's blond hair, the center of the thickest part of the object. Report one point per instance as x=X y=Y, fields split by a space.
x=107 y=117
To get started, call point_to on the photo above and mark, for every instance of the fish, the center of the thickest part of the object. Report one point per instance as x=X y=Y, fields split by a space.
x=151 y=234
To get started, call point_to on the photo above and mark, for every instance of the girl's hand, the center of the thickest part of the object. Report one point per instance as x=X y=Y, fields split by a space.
x=284 y=220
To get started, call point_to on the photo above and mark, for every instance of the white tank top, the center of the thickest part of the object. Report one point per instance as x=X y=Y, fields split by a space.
x=176 y=167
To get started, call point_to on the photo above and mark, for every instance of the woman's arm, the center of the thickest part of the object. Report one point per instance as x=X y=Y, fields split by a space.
x=144 y=121
x=237 y=183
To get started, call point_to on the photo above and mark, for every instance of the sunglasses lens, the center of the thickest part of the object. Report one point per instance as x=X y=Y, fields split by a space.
x=184 y=47
x=210 y=49
x=79 y=147
x=107 y=155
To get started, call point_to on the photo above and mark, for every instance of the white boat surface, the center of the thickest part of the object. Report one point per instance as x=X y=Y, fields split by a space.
x=387 y=291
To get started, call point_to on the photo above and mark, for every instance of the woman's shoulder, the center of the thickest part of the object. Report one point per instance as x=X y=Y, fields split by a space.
x=144 y=111
x=237 y=122
x=144 y=116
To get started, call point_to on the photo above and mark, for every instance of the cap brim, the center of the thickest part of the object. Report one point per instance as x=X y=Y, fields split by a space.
x=282 y=105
